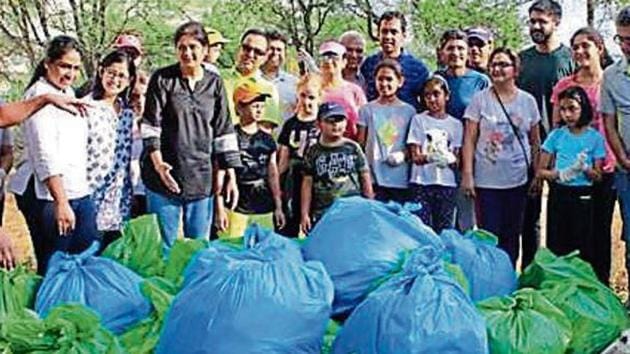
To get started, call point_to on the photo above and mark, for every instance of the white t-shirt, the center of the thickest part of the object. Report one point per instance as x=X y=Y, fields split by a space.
x=387 y=127
x=430 y=133
x=499 y=159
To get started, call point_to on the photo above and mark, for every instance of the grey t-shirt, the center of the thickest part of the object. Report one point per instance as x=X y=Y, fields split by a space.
x=499 y=159
x=387 y=128
x=615 y=97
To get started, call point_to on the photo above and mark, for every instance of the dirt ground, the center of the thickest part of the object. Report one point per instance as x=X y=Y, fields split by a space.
x=15 y=225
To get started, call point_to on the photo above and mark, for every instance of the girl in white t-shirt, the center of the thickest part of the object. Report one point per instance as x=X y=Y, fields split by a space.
x=434 y=141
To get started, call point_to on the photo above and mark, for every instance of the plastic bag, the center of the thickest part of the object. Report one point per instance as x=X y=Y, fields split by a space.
x=67 y=329
x=181 y=253
x=420 y=310
x=17 y=289
x=264 y=299
x=361 y=241
x=143 y=337
x=140 y=247
x=101 y=284
x=549 y=267
x=488 y=268
x=595 y=312
x=525 y=323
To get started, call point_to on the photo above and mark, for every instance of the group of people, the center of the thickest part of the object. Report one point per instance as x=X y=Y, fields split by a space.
x=472 y=143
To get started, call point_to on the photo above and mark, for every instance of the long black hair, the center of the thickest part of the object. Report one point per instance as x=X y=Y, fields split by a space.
x=117 y=56
x=57 y=48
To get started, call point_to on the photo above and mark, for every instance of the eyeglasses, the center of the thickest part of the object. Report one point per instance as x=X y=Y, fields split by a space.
x=257 y=51
x=501 y=65
x=114 y=74
x=622 y=39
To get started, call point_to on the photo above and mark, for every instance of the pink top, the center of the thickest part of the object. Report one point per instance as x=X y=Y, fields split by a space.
x=592 y=91
x=351 y=97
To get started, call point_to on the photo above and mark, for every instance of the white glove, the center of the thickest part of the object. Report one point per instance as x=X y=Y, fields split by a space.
x=395 y=158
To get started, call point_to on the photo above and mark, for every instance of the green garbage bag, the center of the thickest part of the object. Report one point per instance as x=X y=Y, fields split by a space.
x=525 y=323
x=329 y=337
x=595 y=312
x=140 y=247
x=143 y=337
x=18 y=288
x=69 y=328
x=547 y=266
x=181 y=253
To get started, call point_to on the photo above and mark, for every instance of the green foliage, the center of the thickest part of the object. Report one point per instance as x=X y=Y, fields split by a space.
x=430 y=18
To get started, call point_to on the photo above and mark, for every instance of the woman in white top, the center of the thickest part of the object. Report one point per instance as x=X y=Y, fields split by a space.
x=110 y=123
x=51 y=185
x=501 y=142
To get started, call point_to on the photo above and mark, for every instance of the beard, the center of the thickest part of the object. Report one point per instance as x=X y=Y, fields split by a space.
x=539 y=36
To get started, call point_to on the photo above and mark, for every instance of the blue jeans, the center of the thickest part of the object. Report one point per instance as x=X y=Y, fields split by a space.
x=622 y=185
x=42 y=225
x=197 y=216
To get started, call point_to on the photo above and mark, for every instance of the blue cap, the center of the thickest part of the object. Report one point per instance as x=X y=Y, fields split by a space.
x=331 y=111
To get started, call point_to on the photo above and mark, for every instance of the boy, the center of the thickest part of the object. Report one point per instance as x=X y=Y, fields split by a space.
x=334 y=167
x=257 y=180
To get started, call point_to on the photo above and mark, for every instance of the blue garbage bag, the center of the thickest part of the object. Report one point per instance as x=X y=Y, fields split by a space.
x=262 y=299
x=360 y=241
x=420 y=310
x=101 y=284
x=488 y=268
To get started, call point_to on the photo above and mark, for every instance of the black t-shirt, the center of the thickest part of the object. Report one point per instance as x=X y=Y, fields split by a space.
x=298 y=136
x=256 y=150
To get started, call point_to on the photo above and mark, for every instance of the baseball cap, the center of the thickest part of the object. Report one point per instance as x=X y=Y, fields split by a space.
x=128 y=41
x=480 y=33
x=249 y=91
x=333 y=47
x=215 y=37
x=331 y=111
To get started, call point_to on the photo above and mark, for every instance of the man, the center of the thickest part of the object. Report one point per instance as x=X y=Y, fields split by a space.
x=542 y=65
x=355 y=47
x=251 y=55
x=392 y=29
x=216 y=43
x=272 y=70
x=615 y=108
x=480 y=45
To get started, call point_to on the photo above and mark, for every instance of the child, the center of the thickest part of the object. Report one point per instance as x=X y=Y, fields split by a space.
x=298 y=134
x=383 y=126
x=435 y=139
x=334 y=167
x=257 y=180
x=578 y=151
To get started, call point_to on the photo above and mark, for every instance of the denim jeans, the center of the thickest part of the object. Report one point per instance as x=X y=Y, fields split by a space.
x=197 y=216
x=622 y=185
x=42 y=225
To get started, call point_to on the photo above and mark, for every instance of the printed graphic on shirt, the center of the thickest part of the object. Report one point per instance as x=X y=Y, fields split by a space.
x=502 y=138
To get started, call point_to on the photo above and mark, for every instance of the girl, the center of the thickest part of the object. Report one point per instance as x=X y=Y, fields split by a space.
x=137 y=100
x=435 y=139
x=110 y=125
x=383 y=126
x=298 y=134
x=578 y=151
x=501 y=141
x=51 y=185
x=257 y=180
x=185 y=127
x=591 y=58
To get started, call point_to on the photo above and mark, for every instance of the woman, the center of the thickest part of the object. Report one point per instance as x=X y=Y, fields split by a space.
x=338 y=90
x=109 y=143
x=591 y=58
x=501 y=141
x=51 y=185
x=186 y=125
